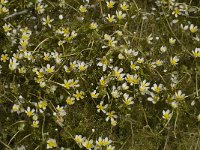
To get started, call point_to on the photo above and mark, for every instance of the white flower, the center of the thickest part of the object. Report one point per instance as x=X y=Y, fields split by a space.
x=111 y=115
x=176 y=12
x=115 y=92
x=7 y=27
x=35 y=124
x=132 y=79
x=172 y=41
x=88 y=144
x=125 y=86
x=67 y=69
x=15 y=108
x=82 y=66
x=103 y=81
x=111 y=18
x=101 y=107
x=93 y=25
x=29 y=112
x=120 y=15
x=174 y=104
x=131 y=52
x=47 y=56
x=174 y=60
x=104 y=63
x=179 y=95
x=61 y=111
x=79 y=139
x=159 y=62
x=82 y=9
x=3 y=9
x=111 y=41
x=106 y=142
x=196 y=52
x=51 y=143
x=28 y=55
x=99 y=142
x=157 y=88
x=110 y=4
x=118 y=73
x=184 y=27
x=193 y=28
x=3 y=2
x=196 y=38
x=144 y=87
x=70 y=100
x=198 y=117
x=21 y=148
x=107 y=37
x=40 y=8
x=124 y=6
x=154 y=98
x=134 y=66
x=140 y=60
x=94 y=94
x=13 y=64
x=149 y=39
x=50 y=69
x=60 y=17
x=73 y=65
x=127 y=100
x=119 y=33
x=57 y=57
x=110 y=147
x=47 y=21
x=163 y=49
x=42 y=84
x=166 y=114
x=53 y=88
x=73 y=34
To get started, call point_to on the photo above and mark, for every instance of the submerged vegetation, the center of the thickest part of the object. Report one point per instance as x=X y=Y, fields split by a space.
x=99 y=74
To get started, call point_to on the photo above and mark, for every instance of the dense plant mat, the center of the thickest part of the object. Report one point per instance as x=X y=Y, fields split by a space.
x=99 y=74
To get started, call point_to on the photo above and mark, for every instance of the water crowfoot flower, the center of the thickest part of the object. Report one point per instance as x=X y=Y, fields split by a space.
x=124 y=6
x=110 y=18
x=196 y=52
x=172 y=41
x=127 y=100
x=88 y=144
x=174 y=60
x=47 y=21
x=198 y=117
x=179 y=95
x=51 y=143
x=35 y=124
x=120 y=15
x=101 y=107
x=94 y=94
x=93 y=25
x=111 y=115
x=29 y=112
x=193 y=28
x=154 y=98
x=50 y=69
x=166 y=114
x=110 y=4
x=79 y=140
x=13 y=64
x=157 y=88
x=144 y=87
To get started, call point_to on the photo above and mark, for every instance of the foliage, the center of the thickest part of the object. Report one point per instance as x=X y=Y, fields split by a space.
x=99 y=74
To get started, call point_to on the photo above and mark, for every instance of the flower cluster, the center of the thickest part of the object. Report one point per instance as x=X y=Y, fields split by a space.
x=116 y=67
